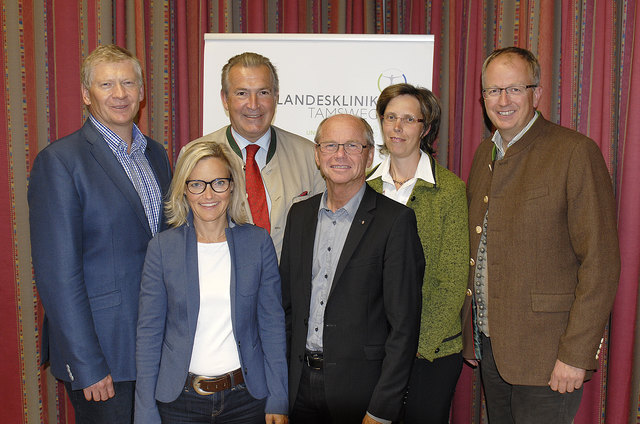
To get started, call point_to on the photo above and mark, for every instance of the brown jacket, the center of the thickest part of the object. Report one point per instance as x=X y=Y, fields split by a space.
x=552 y=248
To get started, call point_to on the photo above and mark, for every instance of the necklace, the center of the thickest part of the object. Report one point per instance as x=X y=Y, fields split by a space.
x=400 y=182
x=397 y=182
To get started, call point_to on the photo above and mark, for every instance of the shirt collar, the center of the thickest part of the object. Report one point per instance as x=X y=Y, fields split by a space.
x=115 y=142
x=350 y=207
x=497 y=138
x=263 y=142
x=423 y=171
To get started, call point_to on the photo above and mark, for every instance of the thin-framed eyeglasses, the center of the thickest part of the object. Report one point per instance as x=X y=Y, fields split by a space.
x=219 y=185
x=514 y=90
x=349 y=148
x=391 y=119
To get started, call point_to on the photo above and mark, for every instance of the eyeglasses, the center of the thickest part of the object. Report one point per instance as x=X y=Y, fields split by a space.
x=219 y=185
x=391 y=119
x=349 y=148
x=514 y=90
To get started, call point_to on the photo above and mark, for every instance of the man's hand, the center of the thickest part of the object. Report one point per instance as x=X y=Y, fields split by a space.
x=102 y=390
x=276 y=419
x=566 y=378
x=368 y=420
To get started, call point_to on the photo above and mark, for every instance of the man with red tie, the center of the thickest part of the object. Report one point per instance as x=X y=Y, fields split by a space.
x=279 y=166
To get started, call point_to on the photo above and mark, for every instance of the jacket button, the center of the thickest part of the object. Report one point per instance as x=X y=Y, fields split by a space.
x=478 y=229
x=486 y=199
x=472 y=262
x=469 y=292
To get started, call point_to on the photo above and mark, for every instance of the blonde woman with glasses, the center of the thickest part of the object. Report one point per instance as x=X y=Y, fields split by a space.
x=211 y=337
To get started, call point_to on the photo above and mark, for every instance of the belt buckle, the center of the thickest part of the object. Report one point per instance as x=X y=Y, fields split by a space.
x=196 y=385
x=308 y=358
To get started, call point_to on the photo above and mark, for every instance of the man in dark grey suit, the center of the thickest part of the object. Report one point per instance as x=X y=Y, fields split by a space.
x=95 y=201
x=351 y=268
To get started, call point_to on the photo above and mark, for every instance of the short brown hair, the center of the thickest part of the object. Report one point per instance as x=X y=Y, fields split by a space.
x=429 y=107
x=109 y=53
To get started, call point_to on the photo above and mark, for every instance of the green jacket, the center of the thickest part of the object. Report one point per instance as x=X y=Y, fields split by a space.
x=441 y=212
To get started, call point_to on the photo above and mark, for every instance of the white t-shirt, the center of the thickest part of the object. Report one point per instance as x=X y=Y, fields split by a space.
x=214 y=347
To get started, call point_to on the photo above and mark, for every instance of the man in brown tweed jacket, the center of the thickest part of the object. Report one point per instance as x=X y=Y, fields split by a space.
x=544 y=252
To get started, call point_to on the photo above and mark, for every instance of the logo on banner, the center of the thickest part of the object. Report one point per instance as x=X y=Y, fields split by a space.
x=389 y=77
x=322 y=104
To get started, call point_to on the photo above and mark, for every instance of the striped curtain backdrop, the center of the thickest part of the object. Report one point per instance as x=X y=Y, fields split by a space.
x=590 y=77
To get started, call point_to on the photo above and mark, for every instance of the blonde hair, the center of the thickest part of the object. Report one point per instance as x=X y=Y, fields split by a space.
x=177 y=208
x=524 y=54
x=109 y=53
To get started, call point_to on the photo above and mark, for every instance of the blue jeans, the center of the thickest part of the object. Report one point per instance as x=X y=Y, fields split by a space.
x=118 y=409
x=233 y=406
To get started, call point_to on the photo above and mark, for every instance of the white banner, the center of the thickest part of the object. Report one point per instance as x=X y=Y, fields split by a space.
x=320 y=74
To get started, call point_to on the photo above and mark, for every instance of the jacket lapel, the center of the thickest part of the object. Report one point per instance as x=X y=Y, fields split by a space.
x=192 y=283
x=308 y=230
x=235 y=271
x=107 y=160
x=361 y=221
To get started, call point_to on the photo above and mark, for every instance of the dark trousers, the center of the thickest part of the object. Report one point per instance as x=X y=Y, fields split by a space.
x=118 y=409
x=234 y=405
x=508 y=404
x=431 y=388
x=310 y=406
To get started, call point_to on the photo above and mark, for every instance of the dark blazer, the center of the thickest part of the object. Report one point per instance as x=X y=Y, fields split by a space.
x=372 y=316
x=169 y=306
x=552 y=248
x=89 y=235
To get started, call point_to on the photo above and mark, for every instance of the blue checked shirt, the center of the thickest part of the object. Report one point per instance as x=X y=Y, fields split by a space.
x=137 y=167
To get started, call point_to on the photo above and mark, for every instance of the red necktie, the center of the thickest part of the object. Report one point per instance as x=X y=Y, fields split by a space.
x=255 y=190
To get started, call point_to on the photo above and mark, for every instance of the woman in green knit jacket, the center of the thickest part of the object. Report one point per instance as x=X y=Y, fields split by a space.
x=409 y=118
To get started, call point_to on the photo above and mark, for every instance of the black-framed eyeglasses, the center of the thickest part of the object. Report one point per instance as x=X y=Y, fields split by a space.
x=349 y=148
x=391 y=119
x=514 y=90
x=219 y=185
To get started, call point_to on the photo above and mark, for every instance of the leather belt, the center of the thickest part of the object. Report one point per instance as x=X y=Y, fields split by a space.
x=204 y=385
x=314 y=360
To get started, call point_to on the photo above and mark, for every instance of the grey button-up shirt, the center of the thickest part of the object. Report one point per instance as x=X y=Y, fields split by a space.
x=331 y=233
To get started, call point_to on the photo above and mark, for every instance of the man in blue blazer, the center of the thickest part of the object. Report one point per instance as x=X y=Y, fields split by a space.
x=95 y=201
x=351 y=269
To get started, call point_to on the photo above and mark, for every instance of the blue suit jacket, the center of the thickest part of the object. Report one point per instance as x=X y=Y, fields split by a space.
x=89 y=234
x=169 y=305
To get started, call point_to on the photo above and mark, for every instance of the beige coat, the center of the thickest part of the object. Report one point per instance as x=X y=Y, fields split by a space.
x=290 y=175
x=552 y=248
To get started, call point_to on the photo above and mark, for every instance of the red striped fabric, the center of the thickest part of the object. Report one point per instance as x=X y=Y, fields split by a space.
x=590 y=77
